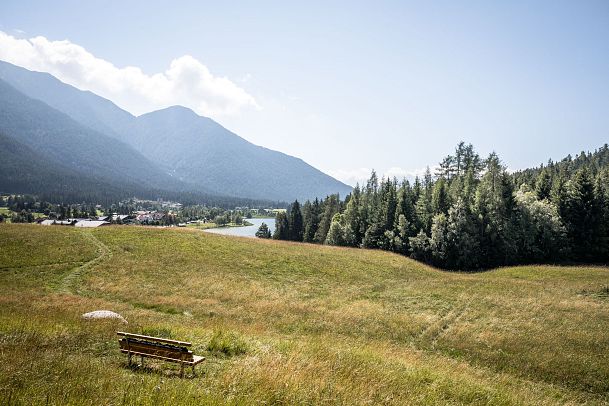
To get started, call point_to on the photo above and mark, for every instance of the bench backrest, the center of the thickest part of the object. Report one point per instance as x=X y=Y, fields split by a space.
x=155 y=347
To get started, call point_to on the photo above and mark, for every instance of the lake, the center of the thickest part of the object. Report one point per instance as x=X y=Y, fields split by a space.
x=247 y=231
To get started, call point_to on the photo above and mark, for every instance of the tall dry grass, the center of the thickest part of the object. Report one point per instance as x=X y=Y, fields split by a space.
x=284 y=323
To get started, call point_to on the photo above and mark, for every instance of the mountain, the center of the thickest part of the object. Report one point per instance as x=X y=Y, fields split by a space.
x=26 y=171
x=82 y=106
x=44 y=151
x=57 y=138
x=190 y=148
x=200 y=150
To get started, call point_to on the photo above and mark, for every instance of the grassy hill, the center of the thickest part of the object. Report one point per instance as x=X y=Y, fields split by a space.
x=290 y=323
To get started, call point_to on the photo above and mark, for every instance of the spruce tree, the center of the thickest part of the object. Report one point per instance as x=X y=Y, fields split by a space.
x=405 y=218
x=353 y=217
x=330 y=207
x=583 y=216
x=424 y=210
x=462 y=242
x=380 y=232
x=543 y=185
x=493 y=213
x=295 y=223
x=439 y=199
x=602 y=194
x=263 y=231
x=311 y=215
x=281 y=226
x=306 y=220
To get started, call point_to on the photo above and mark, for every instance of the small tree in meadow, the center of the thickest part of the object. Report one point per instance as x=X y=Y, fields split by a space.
x=263 y=231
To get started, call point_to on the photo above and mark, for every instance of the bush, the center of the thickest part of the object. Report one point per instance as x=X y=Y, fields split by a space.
x=161 y=332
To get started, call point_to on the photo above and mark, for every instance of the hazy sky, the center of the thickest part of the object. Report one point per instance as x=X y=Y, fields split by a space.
x=346 y=86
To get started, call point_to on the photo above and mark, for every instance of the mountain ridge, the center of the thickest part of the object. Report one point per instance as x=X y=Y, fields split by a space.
x=44 y=151
x=192 y=148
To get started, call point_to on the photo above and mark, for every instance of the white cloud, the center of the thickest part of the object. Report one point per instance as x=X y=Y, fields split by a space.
x=246 y=78
x=361 y=175
x=351 y=176
x=186 y=82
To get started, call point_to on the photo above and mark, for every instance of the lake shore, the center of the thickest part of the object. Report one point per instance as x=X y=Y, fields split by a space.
x=243 y=231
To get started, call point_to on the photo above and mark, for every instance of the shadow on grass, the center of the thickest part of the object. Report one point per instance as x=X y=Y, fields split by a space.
x=565 y=264
x=165 y=369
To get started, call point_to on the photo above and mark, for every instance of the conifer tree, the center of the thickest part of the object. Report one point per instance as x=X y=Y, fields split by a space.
x=424 y=210
x=405 y=218
x=330 y=207
x=311 y=214
x=543 y=185
x=281 y=226
x=462 y=241
x=583 y=216
x=263 y=231
x=439 y=198
x=380 y=231
x=353 y=217
x=295 y=222
x=419 y=247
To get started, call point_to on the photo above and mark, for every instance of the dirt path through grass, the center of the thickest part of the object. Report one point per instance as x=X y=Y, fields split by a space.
x=430 y=335
x=70 y=280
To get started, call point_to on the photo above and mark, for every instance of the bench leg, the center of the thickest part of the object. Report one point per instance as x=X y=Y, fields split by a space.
x=181 y=370
x=129 y=358
x=193 y=371
x=142 y=359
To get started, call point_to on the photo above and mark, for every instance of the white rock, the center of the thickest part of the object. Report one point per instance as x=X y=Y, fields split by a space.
x=103 y=314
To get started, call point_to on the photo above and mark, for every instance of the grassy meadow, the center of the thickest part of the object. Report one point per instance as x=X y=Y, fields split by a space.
x=289 y=323
x=202 y=226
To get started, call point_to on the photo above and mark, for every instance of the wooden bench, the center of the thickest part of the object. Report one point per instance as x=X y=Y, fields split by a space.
x=159 y=348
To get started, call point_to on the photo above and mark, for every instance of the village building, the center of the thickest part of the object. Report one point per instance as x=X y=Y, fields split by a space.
x=90 y=223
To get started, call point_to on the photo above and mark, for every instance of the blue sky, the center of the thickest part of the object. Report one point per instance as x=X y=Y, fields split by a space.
x=351 y=86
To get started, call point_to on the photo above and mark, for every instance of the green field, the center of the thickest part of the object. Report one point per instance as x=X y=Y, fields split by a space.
x=289 y=323
x=7 y=213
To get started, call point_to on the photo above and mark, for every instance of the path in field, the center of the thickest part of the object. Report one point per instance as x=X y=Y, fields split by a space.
x=430 y=335
x=69 y=281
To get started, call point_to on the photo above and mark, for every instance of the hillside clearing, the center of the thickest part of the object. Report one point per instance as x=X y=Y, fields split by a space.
x=290 y=323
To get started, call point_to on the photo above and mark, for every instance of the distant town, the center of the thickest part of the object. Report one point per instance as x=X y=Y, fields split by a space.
x=134 y=211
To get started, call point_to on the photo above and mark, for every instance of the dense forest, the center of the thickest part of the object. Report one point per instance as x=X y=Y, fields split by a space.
x=471 y=213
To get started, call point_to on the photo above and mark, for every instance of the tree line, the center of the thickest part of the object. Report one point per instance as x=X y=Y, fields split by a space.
x=27 y=208
x=23 y=209
x=470 y=213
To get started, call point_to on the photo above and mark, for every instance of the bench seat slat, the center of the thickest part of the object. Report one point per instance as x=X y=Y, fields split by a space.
x=196 y=359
